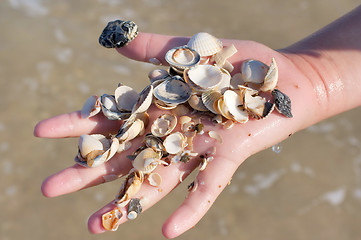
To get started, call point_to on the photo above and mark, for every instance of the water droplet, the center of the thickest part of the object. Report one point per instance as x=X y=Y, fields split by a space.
x=277 y=148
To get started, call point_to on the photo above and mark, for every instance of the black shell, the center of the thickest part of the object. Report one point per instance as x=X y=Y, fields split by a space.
x=282 y=103
x=118 y=33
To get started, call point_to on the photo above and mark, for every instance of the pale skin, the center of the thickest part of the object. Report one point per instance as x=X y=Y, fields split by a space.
x=321 y=75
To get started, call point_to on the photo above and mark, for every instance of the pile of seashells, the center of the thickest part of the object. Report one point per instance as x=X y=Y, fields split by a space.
x=198 y=82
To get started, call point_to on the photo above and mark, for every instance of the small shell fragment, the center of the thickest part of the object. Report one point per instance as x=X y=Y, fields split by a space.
x=155 y=61
x=154 y=179
x=282 y=103
x=132 y=215
x=174 y=143
x=134 y=205
x=91 y=107
x=215 y=135
x=254 y=71
x=271 y=78
x=111 y=219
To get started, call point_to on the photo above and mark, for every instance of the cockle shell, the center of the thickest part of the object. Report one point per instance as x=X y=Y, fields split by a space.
x=180 y=58
x=271 y=78
x=210 y=98
x=234 y=102
x=203 y=77
x=254 y=71
x=164 y=125
x=91 y=107
x=110 y=109
x=110 y=220
x=205 y=44
x=125 y=97
x=225 y=81
x=146 y=161
x=174 y=143
x=173 y=91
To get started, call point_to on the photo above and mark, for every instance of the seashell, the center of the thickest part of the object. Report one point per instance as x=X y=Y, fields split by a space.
x=144 y=100
x=243 y=90
x=228 y=66
x=195 y=101
x=205 y=44
x=132 y=215
x=257 y=106
x=134 y=205
x=118 y=33
x=236 y=80
x=181 y=110
x=282 y=103
x=215 y=135
x=174 y=143
x=173 y=91
x=209 y=98
x=228 y=124
x=91 y=107
x=89 y=143
x=125 y=98
x=96 y=160
x=270 y=80
x=156 y=143
x=203 y=164
x=182 y=57
x=234 y=102
x=110 y=110
x=155 y=61
x=225 y=81
x=222 y=108
x=192 y=187
x=154 y=179
x=221 y=57
x=163 y=106
x=203 y=77
x=164 y=125
x=157 y=74
x=254 y=71
x=130 y=186
x=218 y=119
x=146 y=161
x=133 y=131
x=111 y=219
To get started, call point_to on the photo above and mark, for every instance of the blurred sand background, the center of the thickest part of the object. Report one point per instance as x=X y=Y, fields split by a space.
x=307 y=187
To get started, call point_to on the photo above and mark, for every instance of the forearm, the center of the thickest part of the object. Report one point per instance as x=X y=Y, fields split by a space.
x=331 y=61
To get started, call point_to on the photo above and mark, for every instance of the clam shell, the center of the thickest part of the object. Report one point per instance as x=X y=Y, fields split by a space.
x=111 y=219
x=91 y=107
x=225 y=81
x=236 y=80
x=125 y=98
x=205 y=44
x=234 y=102
x=173 y=91
x=254 y=71
x=164 y=125
x=106 y=156
x=270 y=80
x=182 y=57
x=144 y=100
x=203 y=77
x=174 y=143
x=146 y=161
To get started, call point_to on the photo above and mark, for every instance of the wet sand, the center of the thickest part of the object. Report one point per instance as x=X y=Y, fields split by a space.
x=307 y=187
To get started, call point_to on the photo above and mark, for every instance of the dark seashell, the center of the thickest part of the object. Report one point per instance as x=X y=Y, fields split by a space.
x=282 y=103
x=118 y=33
x=134 y=205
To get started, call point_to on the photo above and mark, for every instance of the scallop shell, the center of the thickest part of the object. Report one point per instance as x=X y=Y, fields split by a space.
x=146 y=161
x=173 y=91
x=234 y=102
x=111 y=219
x=182 y=57
x=203 y=77
x=205 y=44
x=270 y=80
x=144 y=100
x=125 y=97
x=91 y=107
x=254 y=71
x=174 y=143
x=164 y=125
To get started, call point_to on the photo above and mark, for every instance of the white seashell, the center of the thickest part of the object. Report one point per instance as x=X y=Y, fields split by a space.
x=215 y=135
x=89 y=143
x=133 y=131
x=203 y=164
x=236 y=80
x=228 y=124
x=132 y=215
x=203 y=77
x=184 y=119
x=174 y=143
x=270 y=80
x=154 y=179
x=254 y=71
x=125 y=98
x=233 y=101
x=225 y=81
x=222 y=108
x=209 y=99
x=108 y=102
x=221 y=57
x=181 y=110
x=157 y=74
x=146 y=161
x=173 y=91
x=257 y=106
x=91 y=107
x=106 y=156
x=163 y=106
x=164 y=125
x=205 y=44
x=182 y=57
x=228 y=66
x=144 y=100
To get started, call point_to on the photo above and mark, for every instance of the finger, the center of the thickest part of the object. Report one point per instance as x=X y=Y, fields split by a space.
x=149 y=194
x=72 y=125
x=210 y=184
x=148 y=45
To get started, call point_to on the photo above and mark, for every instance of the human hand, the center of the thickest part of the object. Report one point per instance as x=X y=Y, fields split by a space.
x=239 y=143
